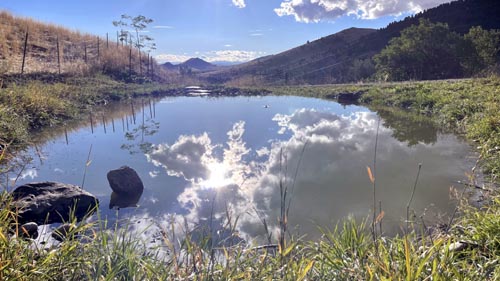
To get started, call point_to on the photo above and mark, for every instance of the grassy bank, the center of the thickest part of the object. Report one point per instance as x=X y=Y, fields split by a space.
x=467 y=249
x=31 y=103
x=469 y=107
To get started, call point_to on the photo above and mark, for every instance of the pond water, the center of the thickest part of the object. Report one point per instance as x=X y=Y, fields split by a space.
x=203 y=159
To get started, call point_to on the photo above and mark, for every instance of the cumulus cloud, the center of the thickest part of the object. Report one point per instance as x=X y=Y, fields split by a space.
x=239 y=3
x=232 y=177
x=262 y=152
x=318 y=10
x=172 y=58
x=188 y=157
x=28 y=173
x=234 y=56
x=223 y=177
x=154 y=174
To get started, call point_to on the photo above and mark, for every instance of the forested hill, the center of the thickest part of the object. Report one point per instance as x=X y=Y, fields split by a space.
x=460 y=16
x=347 y=55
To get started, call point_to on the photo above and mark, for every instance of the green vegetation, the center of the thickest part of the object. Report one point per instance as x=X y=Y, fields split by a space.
x=469 y=107
x=29 y=103
x=431 y=51
x=468 y=250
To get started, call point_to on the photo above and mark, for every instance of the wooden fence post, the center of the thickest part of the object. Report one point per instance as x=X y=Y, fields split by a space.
x=98 y=50
x=58 y=56
x=24 y=51
x=85 y=49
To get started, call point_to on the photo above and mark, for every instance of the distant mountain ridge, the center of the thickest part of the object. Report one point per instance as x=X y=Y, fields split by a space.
x=346 y=55
x=195 y=64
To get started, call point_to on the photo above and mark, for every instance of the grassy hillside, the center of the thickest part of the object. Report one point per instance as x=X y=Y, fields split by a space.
x=79 y=53
x=347 y=55
x=306 y=64
x=66 y=74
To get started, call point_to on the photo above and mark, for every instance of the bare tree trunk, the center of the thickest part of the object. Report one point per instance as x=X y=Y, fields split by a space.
x=140 y=62
x=139 y=51
x=152 y=68
x=130 y=63
x=130 y=59
x=147 y=66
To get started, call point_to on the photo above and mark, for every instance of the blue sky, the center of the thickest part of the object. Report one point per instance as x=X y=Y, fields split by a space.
x=222 y=30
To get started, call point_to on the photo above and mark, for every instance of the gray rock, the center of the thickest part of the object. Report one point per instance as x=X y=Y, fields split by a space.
x=28 y=230
x=125 y=183
x=460 y=246
x=63 y=232
x=52 y=202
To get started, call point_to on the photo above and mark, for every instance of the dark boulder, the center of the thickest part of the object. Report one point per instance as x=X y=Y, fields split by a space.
x=52 y=202
x=127 y=187
x=28 y=230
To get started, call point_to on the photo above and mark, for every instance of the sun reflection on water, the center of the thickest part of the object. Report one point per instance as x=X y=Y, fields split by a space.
x=219 y=176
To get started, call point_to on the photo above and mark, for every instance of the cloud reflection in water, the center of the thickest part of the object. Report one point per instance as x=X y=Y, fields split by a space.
x=331 y=181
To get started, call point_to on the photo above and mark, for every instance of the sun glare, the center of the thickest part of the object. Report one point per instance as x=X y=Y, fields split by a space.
x=218 y=176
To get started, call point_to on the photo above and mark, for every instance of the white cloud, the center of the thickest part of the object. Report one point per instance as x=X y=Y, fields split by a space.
x=256 y=34
x=28 y=173
x=154 y=174
x=318 y=10
x=189 y=157
x=172 y=58
x=233 y=56
x=239 y=3
x=263 y=152
x=58 y=171
x=217 y=181
x=228 y=176
x=228 y=45
x=163 y=27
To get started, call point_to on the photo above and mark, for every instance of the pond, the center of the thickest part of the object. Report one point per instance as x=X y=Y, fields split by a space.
x=205 y=159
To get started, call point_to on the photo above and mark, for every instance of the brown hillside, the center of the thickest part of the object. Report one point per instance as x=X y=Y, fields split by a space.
x=301 y=65
x=79 y=53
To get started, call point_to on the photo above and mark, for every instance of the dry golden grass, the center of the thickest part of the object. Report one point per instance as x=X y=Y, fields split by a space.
x=42 y=49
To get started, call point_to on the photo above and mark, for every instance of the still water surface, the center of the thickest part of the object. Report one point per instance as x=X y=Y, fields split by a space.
x=201 y=158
